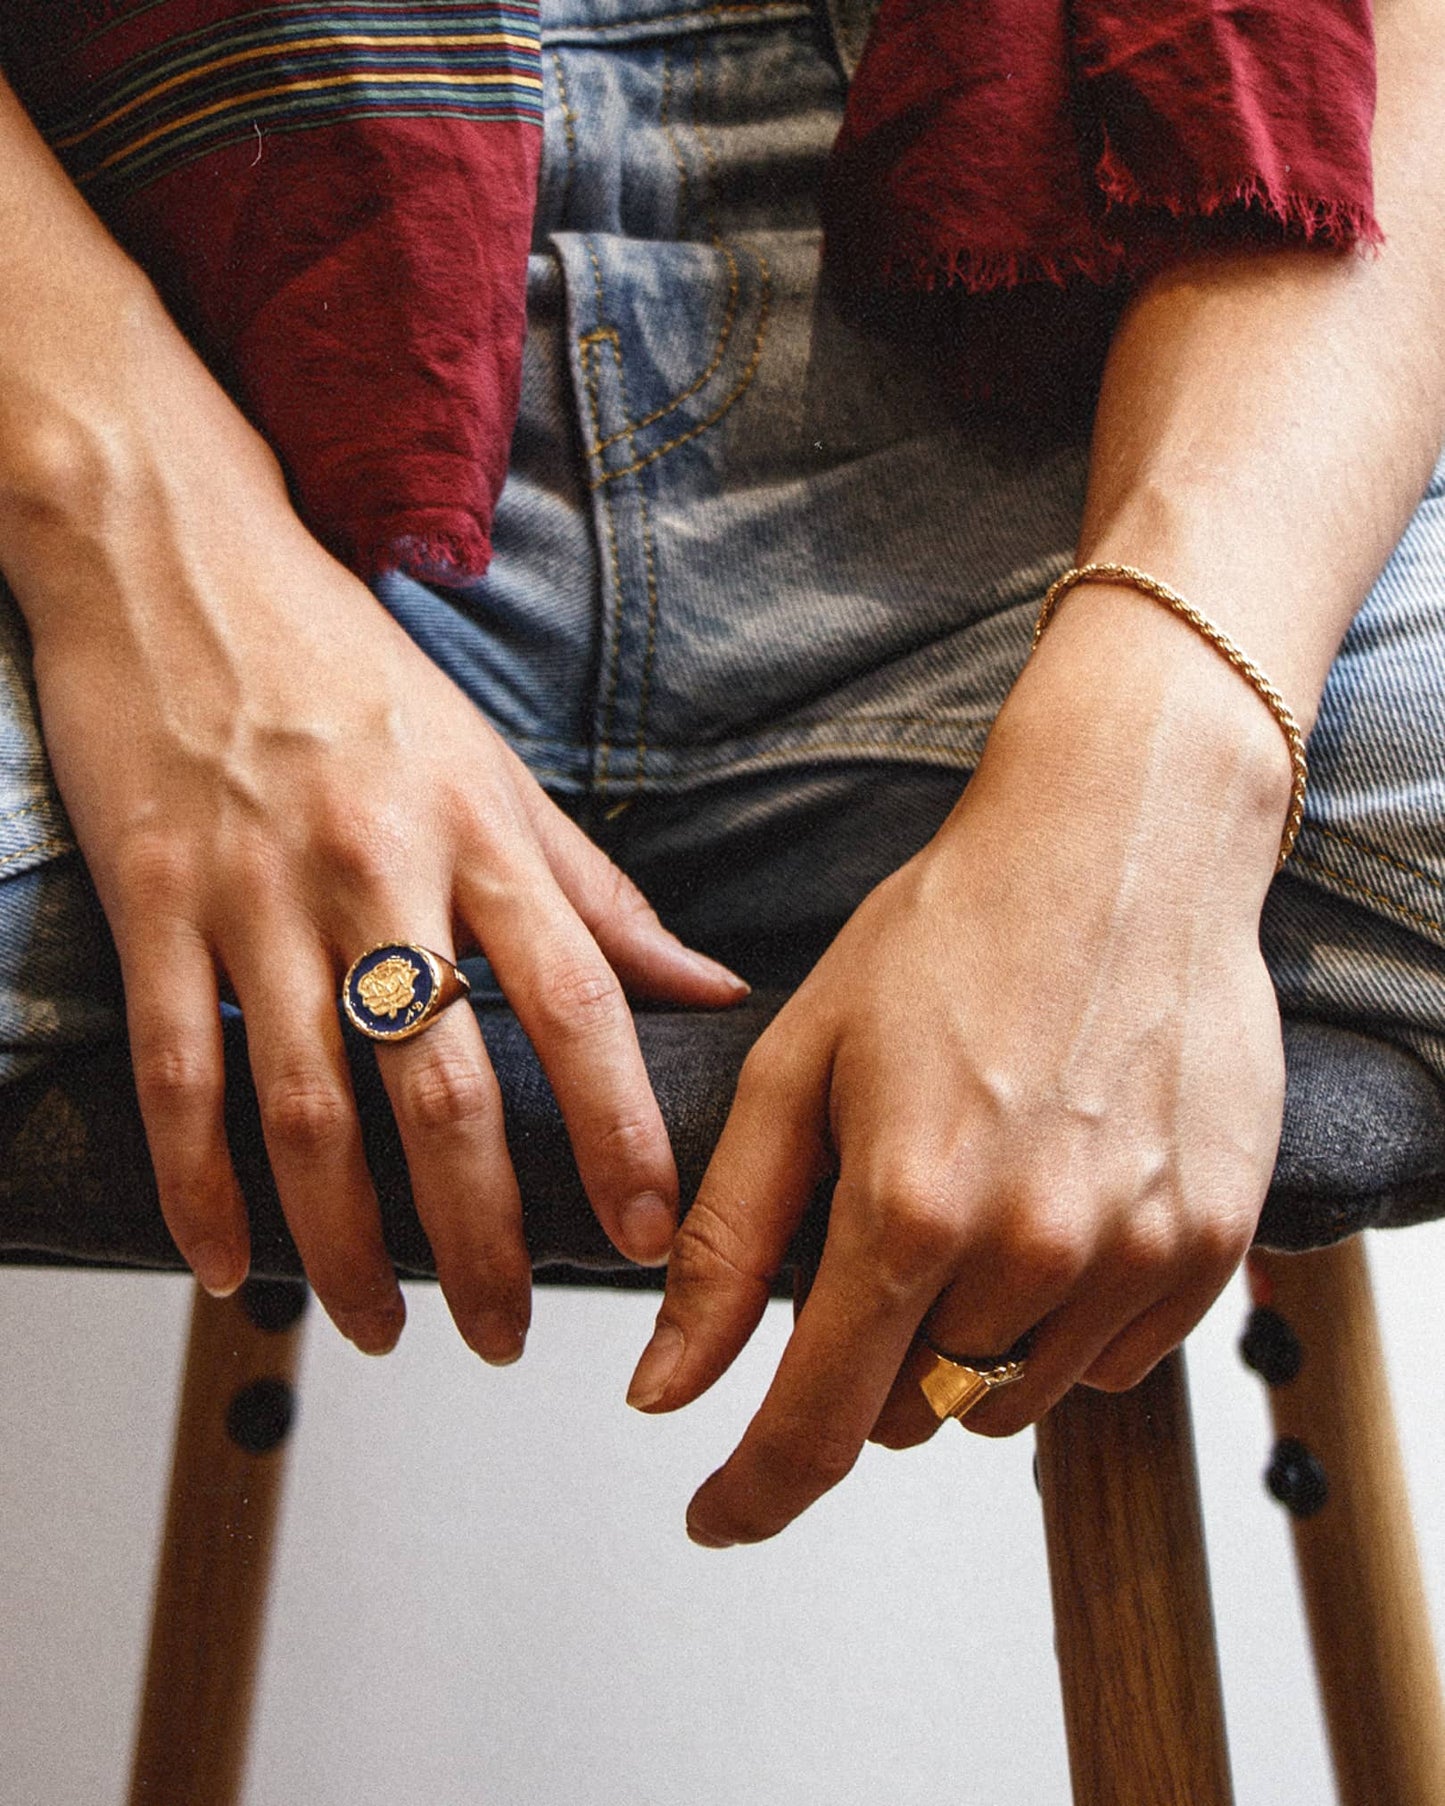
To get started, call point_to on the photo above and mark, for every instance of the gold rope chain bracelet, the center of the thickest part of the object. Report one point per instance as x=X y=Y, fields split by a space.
x=1227 y=650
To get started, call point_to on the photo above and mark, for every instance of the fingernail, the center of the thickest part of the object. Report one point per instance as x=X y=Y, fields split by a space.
x=706 y=1540
x=216 y=1267
x=657 y=1366
x=647 y=1226
x=498 y=1338
x=373 y=1332
x=715 y=970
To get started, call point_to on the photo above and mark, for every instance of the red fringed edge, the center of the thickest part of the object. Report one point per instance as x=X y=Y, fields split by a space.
x=422 y=548
x=909 y=263
x=925 y=255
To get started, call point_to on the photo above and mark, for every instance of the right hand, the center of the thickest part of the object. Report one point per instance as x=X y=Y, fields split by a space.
x=266 y=776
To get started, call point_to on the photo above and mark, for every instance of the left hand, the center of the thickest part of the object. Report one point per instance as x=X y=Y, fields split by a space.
x=1046 y=1057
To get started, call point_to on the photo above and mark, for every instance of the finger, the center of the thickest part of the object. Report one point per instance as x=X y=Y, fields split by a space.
x=569 y=1001
x=448 y=1109
x=313 y=1138
x=1064 y=1348
x=763 y=1172
x=652 y=963
x=1059 y=1351
x=840 y=1362
x=173 y=1011
x=1022 y=1268
x=1135 y=1351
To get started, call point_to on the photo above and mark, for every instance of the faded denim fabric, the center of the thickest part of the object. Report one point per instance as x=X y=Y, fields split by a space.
x=759 y=589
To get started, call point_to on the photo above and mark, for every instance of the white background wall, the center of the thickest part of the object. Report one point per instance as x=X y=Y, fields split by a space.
x=485 y=1596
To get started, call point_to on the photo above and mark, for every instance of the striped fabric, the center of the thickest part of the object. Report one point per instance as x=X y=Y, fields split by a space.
x=335 y=202
x=290 y=67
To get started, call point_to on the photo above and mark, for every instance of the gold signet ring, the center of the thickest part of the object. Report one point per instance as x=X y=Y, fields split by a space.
x=394 y=991
x=953 y=1387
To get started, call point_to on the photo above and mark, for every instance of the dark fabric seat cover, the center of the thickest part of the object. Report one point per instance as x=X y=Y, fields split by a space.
x=1363 y=1146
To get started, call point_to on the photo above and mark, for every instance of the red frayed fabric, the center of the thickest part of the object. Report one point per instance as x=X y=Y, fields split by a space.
x=336 y=203
x=997 y=146
x=336 y=200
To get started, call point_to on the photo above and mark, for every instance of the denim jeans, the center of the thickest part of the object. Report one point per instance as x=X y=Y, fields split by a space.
x=760 y=587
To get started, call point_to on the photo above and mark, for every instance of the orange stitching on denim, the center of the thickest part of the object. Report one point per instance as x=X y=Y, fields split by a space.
x=730 y=313
x=725 y=334
x=597 y=285
x=650 y=566
x=569 y=123
x=37 y=846
x=604 y=749
x=44 y=808
x=644 y=692
x=1372 y=896
x=744 y=383
x=1369 y=852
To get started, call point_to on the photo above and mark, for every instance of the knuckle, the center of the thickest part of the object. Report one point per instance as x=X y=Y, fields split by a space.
x=1147 y=1243
x=766 y=1069
x=916 y=1231
x=630 y=1144
x=155 y=870
x=623 y=902
x=306 y=1113
x=1221 y=1243
x=1046 y=1247
x=575 y=999
x=172 y=1080
x=446 y=1092
x=707 y=1248
x=363 y=852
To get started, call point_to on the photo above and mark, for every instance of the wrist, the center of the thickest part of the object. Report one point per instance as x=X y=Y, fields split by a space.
x=101 y=469
x=1134 y=734
x=1204 y=537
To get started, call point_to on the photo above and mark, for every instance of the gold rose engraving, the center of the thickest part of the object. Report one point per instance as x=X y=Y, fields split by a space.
x=389 y=987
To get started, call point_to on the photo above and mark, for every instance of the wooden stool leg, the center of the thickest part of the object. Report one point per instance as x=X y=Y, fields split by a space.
x=1133 y=1621
x=235 y=1412
x=1338 y=1466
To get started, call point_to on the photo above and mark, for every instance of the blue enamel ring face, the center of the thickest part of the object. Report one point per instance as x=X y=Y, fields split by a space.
x=394 y=991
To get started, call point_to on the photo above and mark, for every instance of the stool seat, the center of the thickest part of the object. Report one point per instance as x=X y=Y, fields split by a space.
x=1363 y=1146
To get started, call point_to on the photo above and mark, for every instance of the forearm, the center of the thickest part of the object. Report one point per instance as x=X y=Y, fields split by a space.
x=1268 y=421
x=106 y=413
x=1267 y=424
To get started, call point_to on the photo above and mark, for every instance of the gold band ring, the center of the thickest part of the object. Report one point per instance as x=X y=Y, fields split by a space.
x=953 y=1386
x=396 y=990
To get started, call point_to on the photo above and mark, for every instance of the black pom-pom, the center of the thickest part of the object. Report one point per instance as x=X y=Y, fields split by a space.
x=273 y=1304
x=259 y=1416
x=1296 y=1478
x=1271 y=1347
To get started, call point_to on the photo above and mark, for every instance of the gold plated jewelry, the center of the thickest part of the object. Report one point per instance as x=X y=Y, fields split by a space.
x=953 y=1388
x=1227 y=650
x=397 y=989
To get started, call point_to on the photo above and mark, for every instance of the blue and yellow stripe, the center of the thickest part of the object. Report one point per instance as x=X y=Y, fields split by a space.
x=293 y=67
